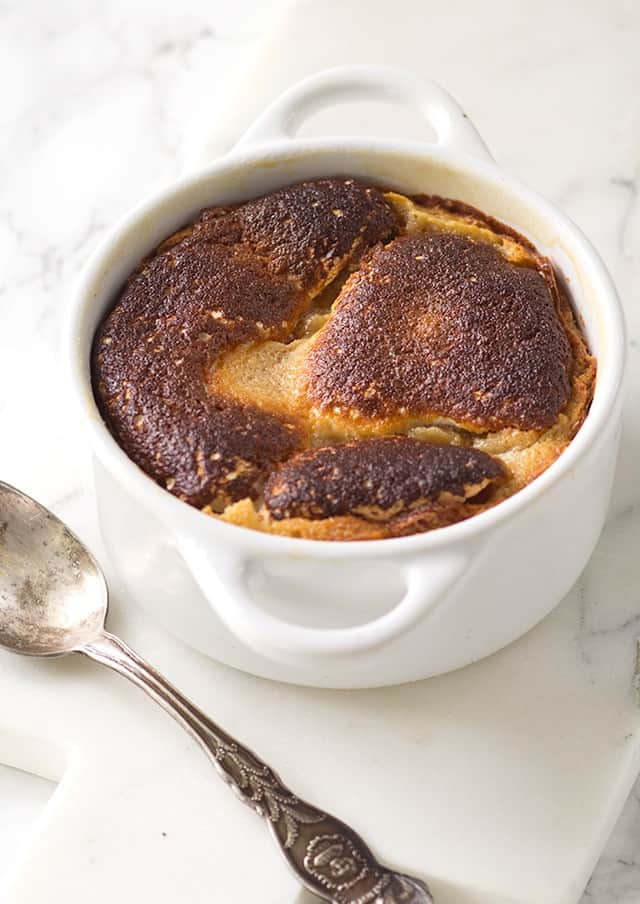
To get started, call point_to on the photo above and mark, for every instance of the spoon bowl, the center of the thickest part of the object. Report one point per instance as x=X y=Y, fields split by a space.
x=53 y=596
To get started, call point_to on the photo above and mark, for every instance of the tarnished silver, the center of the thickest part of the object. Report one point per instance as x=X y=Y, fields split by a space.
x=53 y=601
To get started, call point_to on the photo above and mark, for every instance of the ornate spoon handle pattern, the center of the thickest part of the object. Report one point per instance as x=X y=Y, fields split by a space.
x=327 y=856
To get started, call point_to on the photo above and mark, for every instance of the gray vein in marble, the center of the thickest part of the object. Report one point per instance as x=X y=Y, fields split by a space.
x=636 y=672
x=627 y=243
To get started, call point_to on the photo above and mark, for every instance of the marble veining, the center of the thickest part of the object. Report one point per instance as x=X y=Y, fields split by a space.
x=101 y=102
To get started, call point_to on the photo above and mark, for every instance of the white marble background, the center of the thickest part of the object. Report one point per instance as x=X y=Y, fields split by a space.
x=98 y=102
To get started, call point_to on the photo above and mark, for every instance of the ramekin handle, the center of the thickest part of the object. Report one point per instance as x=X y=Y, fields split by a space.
x=224 y=582
x=281 y=119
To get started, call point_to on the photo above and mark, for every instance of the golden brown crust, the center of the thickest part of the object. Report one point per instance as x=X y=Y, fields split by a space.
x=377 y=479
x=240 y=273
x=243 y=344
x=440 y=324
x=351 y=527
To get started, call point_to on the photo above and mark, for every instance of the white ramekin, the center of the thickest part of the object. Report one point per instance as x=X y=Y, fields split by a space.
x=371 y=613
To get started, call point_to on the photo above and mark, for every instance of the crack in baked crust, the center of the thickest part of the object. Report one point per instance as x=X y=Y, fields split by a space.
x=307 y=362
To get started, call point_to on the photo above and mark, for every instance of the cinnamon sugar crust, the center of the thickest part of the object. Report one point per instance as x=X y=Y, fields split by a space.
x=335 y=362
x=441 y=325
x=376 y=479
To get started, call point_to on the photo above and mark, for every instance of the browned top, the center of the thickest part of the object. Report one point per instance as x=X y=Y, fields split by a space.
x=438 y=323
x=376 y=478
x=246 y=370
x=303 y=231
x=239 y=273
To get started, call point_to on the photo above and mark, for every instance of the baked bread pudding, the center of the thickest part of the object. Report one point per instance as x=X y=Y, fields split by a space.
x=337 y=362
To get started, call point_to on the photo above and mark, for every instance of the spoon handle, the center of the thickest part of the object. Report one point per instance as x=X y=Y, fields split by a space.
x=327 y=856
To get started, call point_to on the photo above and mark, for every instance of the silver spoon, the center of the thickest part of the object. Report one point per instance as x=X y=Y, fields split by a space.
x=53 y=601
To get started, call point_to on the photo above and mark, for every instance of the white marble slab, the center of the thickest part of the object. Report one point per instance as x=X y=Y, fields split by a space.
x=99 y=105
x=23 y=797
